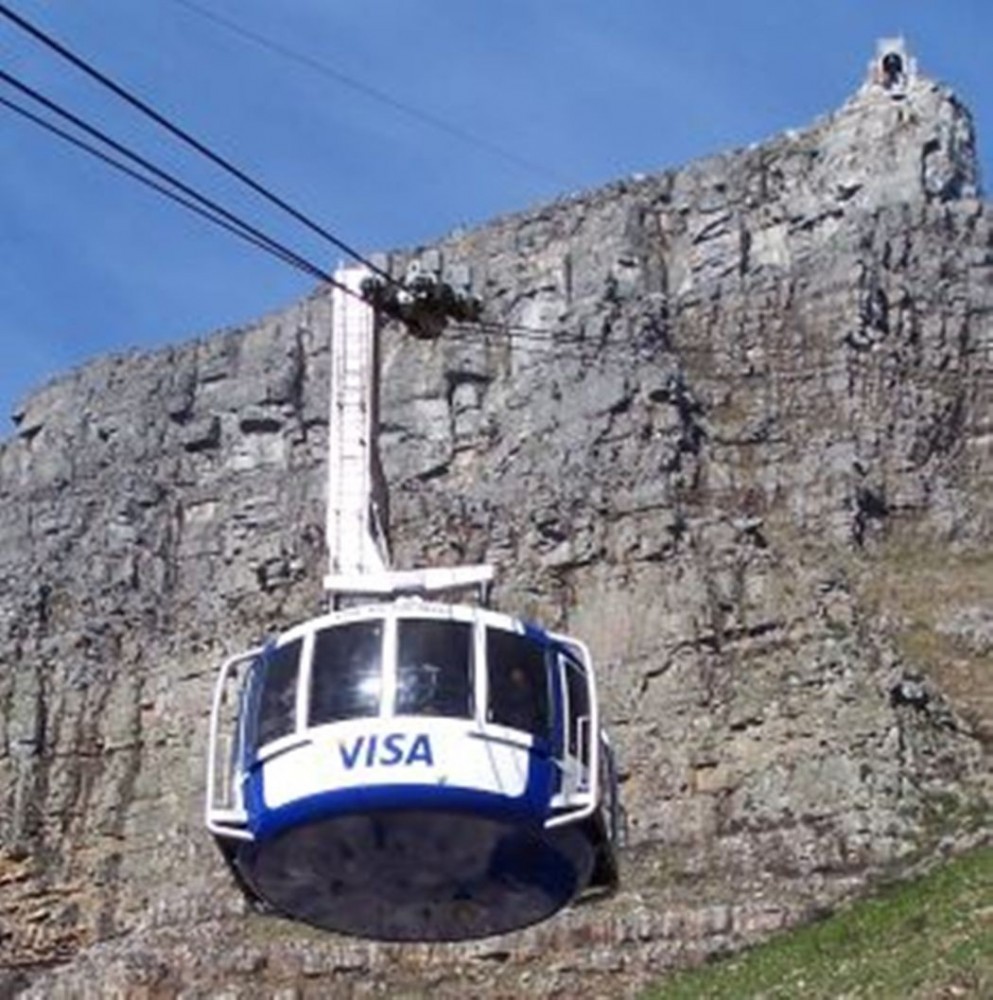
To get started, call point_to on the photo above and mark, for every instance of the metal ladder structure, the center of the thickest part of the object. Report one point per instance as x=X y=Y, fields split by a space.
x=354 y=550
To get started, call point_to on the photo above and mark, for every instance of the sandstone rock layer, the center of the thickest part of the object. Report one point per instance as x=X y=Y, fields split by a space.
x=733 y=424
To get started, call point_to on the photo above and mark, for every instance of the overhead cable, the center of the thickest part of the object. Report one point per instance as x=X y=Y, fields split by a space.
x=554 y=337
x=374 y=93
x=136 y=102
x=258 y=236
x=210 y=209
x=566 y=344
x=163 y=189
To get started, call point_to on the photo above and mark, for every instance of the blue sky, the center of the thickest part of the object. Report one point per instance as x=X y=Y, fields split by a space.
x=584 y=91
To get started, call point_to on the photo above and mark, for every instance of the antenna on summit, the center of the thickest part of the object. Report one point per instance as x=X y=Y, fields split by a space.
x=892 y=69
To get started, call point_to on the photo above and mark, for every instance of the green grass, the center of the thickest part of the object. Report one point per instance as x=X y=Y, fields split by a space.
x=923 y=939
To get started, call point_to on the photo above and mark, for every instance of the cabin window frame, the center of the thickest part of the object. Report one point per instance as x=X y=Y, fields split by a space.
x=382 y=697
x=468 y=630
x=265 y=664
x=542 y=735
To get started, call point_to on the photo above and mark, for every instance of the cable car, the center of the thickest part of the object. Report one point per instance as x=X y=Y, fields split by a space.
x=414 y=771
x=399 y=768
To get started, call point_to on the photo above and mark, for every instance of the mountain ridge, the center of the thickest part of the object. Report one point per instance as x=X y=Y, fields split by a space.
x=731 y=423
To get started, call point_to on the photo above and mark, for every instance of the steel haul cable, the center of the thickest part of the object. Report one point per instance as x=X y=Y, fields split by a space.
x=188 y=203
x=374 y=93
x=209 y=204
x=554 y=337
x=146 y=109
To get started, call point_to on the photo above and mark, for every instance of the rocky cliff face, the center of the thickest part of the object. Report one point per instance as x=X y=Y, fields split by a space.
x=733 y=424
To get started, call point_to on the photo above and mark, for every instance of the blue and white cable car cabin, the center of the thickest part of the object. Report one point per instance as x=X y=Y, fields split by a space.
x=418 y=771
x=404 y=769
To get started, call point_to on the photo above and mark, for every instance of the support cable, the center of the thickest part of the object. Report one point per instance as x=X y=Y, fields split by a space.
x=214 y=212
x=162 y=189
x=136 y=102
x=280 y=249
x=146 y=109
x=373 y=93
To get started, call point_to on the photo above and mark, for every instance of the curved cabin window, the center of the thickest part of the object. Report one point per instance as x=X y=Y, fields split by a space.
x=346 y=675
x=578 y=694
x=518 y=680
x=278 y=695
x=434 y=667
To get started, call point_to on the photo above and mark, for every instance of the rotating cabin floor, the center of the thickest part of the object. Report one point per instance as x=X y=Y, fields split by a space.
x=417 y=875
